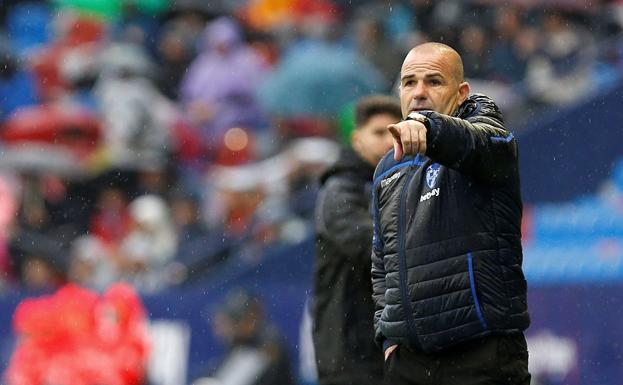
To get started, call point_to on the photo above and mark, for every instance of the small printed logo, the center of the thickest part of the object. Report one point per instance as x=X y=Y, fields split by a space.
x=431 y=174
x=390 y=179
x=432 y=193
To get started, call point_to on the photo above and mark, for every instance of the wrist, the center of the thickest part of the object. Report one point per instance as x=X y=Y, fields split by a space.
x=414 y=115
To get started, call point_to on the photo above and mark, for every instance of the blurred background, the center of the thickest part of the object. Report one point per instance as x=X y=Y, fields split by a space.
x=175 y=146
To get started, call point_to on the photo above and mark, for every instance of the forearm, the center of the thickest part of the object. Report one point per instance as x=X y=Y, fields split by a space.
x=480 y=146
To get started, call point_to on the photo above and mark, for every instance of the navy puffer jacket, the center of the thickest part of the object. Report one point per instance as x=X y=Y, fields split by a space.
x=446 y=260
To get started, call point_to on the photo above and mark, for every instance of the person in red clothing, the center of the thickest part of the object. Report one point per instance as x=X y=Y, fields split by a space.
x=111 y=222
x=76 y=337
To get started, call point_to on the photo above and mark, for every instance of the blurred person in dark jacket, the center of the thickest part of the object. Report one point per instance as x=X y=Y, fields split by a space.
x=254 y=353
x=175 y=52
x=509 y=59
x=561 y=70
x=44 y=224
x=38 y=259
x=448 y=285
x=474 y=52
x=343 y=309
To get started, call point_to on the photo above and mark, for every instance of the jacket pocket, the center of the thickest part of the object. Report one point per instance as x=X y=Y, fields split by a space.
x=474 y=291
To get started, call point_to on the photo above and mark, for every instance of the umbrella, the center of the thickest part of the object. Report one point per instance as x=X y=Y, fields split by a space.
x=317 y=79
x=65 y=126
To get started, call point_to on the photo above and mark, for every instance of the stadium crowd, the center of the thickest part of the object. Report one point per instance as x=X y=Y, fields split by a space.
x=149 y=141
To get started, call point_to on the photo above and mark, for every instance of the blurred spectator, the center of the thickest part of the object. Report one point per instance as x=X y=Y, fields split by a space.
x=476 y=61
x=191 y=16
x=74 y=34
x=137 y=117
x=269 y=202
x=376 y=48
x=38 y=260
x=90 y=265
x=175 y=51
x=239 y=193
x=218 y=92
x=107 y=333
x=79 y=71
x=185 y=212
x=254 y=355
x=50 y=205
x=561 y=72
x=111 y=221
x=310 y=157
x=154 y=179
x=509 y=59
x=150 y=245
x=139 y=23
x=47 y=221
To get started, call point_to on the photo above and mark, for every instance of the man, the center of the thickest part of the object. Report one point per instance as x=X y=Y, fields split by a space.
x=254 y=352
x=449 y=291
x=343 y=311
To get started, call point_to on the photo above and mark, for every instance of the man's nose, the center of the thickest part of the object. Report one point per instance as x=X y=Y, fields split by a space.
x=419 y=91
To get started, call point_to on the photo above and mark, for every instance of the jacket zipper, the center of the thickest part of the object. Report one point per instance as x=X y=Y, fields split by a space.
x=402 y=264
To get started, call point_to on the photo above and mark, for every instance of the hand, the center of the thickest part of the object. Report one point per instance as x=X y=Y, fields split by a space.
x=389 y=351
x=409 y=138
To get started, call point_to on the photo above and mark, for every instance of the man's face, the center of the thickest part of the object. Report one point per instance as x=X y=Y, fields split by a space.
x=429 y=81
x=372 y=140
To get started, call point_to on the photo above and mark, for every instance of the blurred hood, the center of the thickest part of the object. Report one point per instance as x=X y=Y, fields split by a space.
x=223 y=31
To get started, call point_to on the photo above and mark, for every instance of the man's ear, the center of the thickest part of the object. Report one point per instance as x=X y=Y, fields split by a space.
x=464 y=90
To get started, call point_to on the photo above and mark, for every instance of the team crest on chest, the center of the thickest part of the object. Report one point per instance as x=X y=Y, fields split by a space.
x=432 y=172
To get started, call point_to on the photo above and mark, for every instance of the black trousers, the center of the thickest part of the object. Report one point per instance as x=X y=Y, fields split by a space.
x=495 y=360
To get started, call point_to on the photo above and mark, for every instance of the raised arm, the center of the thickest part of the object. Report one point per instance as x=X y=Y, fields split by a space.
x=476 y=142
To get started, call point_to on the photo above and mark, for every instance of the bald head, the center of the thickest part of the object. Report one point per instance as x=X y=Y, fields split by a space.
x=431 y=78
x=446 y=54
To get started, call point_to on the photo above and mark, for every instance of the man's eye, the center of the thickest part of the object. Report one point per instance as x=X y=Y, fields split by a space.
x=409 y=83
x=435 y=82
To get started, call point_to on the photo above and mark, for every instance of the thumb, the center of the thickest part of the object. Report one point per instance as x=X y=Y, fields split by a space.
x=395 y=131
